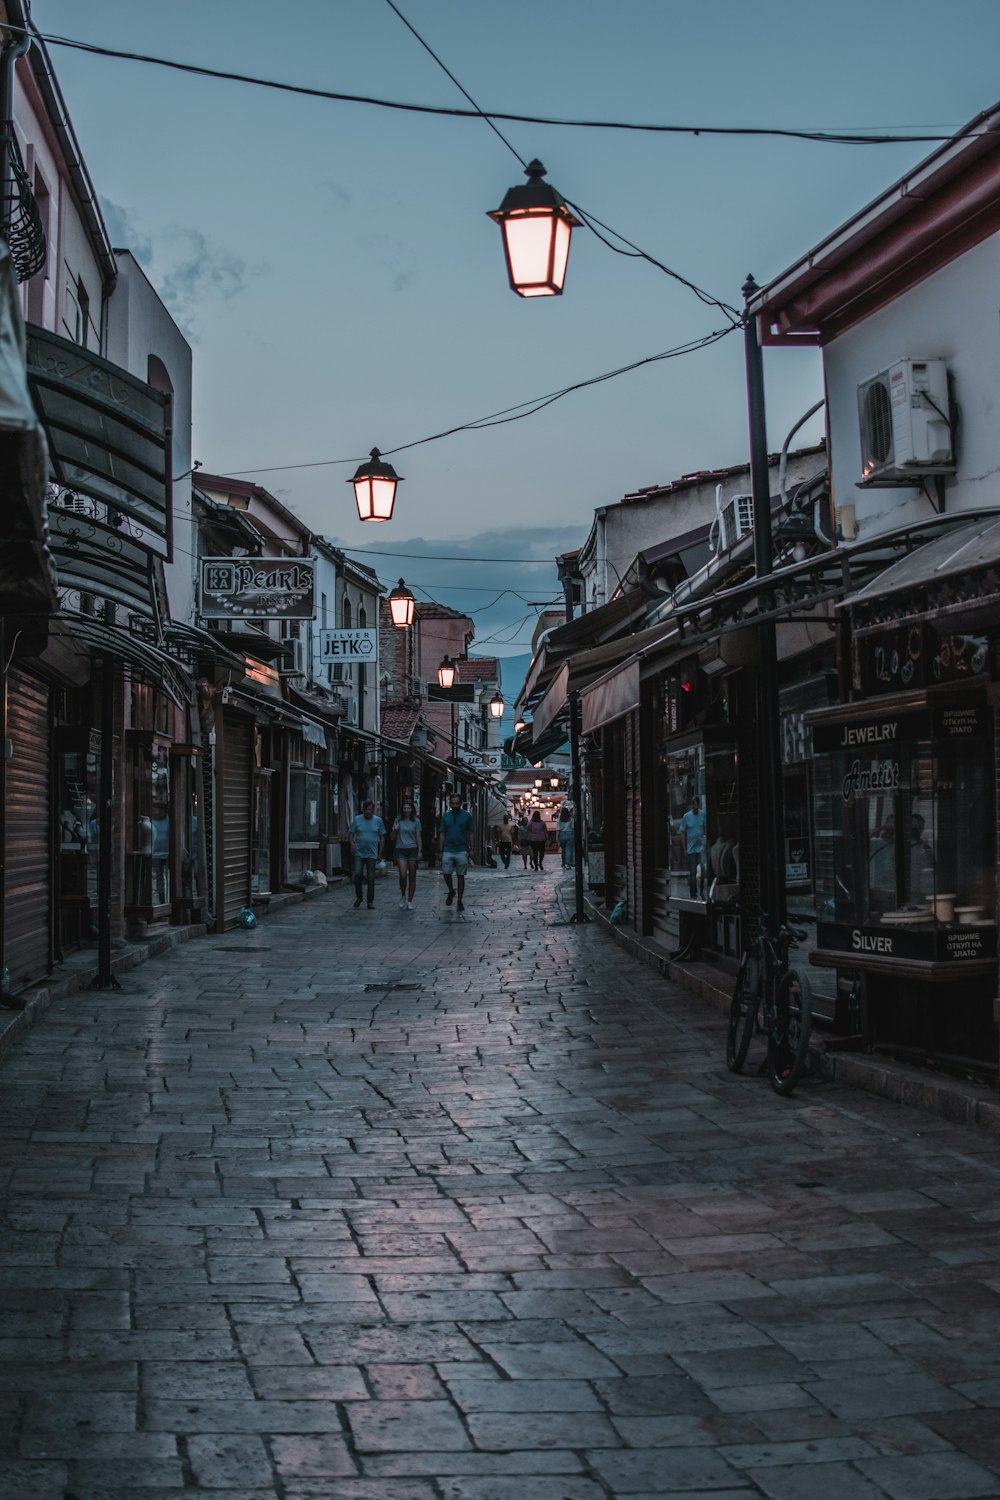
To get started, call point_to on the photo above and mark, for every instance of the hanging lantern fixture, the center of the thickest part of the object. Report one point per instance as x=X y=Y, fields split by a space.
x=401 y=606
x=375 y=488
x=536 y=224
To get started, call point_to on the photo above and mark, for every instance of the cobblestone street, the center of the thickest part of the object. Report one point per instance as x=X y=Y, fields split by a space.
x=436 y=1206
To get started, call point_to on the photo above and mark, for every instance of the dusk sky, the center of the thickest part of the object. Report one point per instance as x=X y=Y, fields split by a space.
x=334 y=269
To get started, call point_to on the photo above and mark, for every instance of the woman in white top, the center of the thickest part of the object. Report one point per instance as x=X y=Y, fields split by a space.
x=406 y=833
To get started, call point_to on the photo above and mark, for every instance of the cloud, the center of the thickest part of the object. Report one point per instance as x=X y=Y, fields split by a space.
x=124 y=233
x=469 y=573
x=200 y=271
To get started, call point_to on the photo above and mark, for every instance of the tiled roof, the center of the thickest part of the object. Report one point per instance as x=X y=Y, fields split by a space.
x=476 y=669
x=399 y=720
x=706 y=476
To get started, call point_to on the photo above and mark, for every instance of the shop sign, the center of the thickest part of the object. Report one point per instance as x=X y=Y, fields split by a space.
x=348 y=645
x=258 y=588
x=483 y=760
x=918 y=655
x=877 y=777
x=935 y=944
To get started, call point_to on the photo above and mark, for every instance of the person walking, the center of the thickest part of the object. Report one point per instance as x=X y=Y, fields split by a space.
x=455 y=843
x=408 y=837
x=564 y=833
x=367 y=834
x=537 y=834
x=522 y=841
x=505 y=840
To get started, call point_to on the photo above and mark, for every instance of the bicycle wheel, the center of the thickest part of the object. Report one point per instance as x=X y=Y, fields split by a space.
x=743 y=1012
x=788 y=1034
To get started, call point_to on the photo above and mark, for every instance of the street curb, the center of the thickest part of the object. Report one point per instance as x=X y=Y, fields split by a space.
x=37 y=998
x=949 y=1098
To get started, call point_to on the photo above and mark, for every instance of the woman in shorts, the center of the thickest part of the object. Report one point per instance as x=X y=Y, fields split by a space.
x=406 y=833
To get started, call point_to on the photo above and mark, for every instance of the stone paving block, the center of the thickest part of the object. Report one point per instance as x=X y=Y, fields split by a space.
x=570 y=1360
x=25 y=1479
x=931 y=1476
x=500 y=1431
x=538 y=1487
x=317 y=1457
x=405 y=1426
x=222 y=1462
x=662 y=1470
x=473 y=1463
x=898 y=1395
x=405 y=1383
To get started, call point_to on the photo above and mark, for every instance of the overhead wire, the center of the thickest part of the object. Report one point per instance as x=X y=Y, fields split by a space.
x=507 y=414
x=870 y=136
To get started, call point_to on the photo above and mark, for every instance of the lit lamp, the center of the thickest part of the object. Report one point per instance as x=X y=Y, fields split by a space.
x=375 y=488
x=554 y=782
x=496 y=706
x=519 y=726
x=401 y=606
x=446 y=673
x=538 y=783
x=536 y=225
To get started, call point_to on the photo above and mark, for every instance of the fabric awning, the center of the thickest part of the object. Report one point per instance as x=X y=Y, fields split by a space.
x=611 y=696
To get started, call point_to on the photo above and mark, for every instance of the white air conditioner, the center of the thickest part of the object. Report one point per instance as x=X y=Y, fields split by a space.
x=904 y=415
x=351 y=709
x=735 y=520
x=298 y=657
x=418 y=739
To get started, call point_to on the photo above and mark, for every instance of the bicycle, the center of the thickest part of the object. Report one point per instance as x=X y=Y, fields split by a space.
x=773 y=997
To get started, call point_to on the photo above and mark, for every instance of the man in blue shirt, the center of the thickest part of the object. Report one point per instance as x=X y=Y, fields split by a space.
x=367 y=838
x=455 y=842
x=692 y=825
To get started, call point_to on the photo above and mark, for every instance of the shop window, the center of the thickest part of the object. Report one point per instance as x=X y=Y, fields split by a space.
x=304 y=789
x=260 y=848
x=905 y=834
x=147 y=823
x=704 y=848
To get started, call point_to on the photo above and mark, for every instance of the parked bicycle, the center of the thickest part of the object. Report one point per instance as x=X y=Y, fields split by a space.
x=771 y=996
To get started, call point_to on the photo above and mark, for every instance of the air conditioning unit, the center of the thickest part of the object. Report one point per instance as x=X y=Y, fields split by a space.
x=418 y=687
x=906 y=429
x=735 y=521
x=351 y=710
x=418 y=739
x=299 y=657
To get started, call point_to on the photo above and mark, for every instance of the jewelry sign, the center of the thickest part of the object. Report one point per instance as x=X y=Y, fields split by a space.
x=348 y=645
x=258 y=588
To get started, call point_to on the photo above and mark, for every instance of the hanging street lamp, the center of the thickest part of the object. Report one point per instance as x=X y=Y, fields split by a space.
x=446 y=673
x=401 y=606
x=375 y=488
x=554 y=782
x=536 y=224
x=496 y=706
x=519 y=726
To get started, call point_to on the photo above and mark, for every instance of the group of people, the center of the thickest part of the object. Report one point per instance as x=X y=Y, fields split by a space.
x=368 y=837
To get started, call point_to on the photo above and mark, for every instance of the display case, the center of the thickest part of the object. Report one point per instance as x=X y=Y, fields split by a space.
x=905 y=833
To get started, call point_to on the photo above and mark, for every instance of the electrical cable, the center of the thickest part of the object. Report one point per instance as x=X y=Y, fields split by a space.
x=462 y=90
x=500 y=418
x=832 y=137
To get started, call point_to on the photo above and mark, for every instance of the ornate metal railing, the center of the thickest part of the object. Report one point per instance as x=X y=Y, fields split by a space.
x=20 y=221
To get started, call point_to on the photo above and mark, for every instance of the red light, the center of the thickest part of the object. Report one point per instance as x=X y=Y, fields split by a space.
x=687 y=685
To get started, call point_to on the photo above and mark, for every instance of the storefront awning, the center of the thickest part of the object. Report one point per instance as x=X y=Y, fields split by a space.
x=103 y=638
x=611 y=696
x=955 y=574
x=584 y=666
x=108 y=433
x=94 y=558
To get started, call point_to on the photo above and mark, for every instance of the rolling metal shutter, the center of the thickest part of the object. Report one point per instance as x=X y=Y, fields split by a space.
x=633 y=823
x=28 y=893
x=234 y=839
